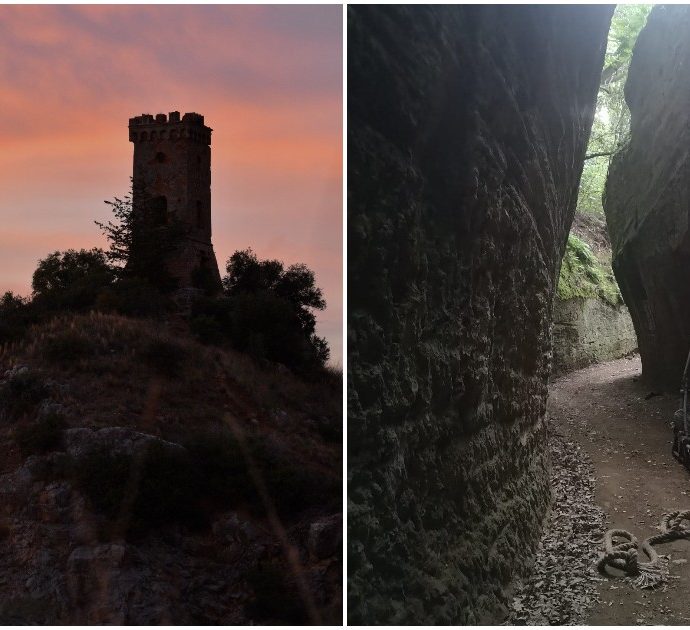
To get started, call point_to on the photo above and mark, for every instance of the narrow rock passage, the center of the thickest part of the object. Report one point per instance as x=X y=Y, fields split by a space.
x=625 y=432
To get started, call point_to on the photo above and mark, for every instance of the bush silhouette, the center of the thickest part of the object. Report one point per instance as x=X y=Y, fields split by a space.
x=266 y=311
x=71 y=280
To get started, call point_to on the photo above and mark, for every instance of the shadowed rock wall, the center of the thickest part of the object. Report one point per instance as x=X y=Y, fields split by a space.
x=647 y=199
x=467 y=132
x=590 y=330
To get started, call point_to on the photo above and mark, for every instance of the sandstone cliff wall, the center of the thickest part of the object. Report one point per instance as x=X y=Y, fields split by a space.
x=590 y=330
x=467 y=132
x=648 y=195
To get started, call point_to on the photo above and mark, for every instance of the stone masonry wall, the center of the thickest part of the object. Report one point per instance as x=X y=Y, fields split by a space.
x=466 y=137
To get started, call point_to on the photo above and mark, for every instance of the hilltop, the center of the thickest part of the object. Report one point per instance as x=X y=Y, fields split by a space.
x=147 y=478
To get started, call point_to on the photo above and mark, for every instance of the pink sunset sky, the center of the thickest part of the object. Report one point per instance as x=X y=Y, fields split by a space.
x=268 y=80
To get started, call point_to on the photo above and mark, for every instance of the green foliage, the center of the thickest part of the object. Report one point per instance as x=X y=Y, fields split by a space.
x=71 y=280
x=41 y=436
x=21 y=393
x=266 y=311
x=134 y=297
x=102 y=476
x=627 y=22
x=142 y=237
x=207 y=327
x=77 y=282
x=68 y=347
x=583 y=275
x=16 y=315
x=166 y=357
x=611 y=127
x=296 y=284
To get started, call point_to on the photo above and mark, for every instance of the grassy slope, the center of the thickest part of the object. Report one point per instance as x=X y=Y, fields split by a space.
x=111 y=371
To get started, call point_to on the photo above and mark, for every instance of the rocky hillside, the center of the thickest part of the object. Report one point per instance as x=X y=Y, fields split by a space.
x=147 y=479
x=591 y=323
x=466 y=139
x=646 y=199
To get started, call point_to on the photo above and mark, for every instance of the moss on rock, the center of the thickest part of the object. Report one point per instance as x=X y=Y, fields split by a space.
x=584 y=275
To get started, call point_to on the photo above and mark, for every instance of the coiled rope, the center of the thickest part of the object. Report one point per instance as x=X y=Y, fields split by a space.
x=622 y=551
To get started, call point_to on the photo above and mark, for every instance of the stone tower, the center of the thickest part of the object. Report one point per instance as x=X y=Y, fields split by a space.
x=172 y=166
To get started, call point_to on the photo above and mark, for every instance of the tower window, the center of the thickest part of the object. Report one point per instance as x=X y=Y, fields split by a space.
x=199 y=219
x=160 y=157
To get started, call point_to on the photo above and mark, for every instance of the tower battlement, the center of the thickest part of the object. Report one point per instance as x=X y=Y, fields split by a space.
x=148 y=127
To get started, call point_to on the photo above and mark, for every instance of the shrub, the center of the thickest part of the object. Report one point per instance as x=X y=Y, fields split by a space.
x=71 y=280
x=221 y=467
x=207 y=329
x=42 y=436
x=66 y=347
x=102 y=477
x=276 y=598
x=170 y=489
x=266 y=311
x=189 y=486
x=165 y=357
x=133 y=297
x=295 y=487
x=16 y=315
x=164 y=483
x=21 y=393
x=261 y=324
x=330 y=428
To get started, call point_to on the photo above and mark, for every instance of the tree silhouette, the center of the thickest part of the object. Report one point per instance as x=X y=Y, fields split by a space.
x=142 y=237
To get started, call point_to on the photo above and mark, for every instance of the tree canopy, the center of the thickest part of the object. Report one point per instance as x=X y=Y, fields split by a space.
x=266 y=310
x=61 y=270
x=611 y=127
x=247 y=274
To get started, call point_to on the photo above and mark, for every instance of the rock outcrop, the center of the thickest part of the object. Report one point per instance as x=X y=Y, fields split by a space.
x=467 y=133
x=647 y=192
x=590 y=330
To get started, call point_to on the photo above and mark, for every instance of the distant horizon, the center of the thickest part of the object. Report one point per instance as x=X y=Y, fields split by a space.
x=268 y=81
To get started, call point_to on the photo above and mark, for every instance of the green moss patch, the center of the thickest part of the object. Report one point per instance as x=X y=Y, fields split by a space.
x=583 y=275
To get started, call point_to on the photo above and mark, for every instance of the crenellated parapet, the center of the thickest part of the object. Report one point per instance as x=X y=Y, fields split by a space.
x=147 y=128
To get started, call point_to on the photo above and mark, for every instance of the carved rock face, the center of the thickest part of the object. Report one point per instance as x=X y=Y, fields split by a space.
x=467 y=133
x=647 y=192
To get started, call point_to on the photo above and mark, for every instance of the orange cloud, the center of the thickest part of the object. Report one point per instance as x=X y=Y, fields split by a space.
x=267 y=78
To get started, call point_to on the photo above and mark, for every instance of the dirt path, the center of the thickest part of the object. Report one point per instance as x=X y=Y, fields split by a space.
x=605 y=409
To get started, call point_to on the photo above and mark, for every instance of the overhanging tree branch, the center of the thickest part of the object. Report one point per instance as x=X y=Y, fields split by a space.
x=596 y=155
